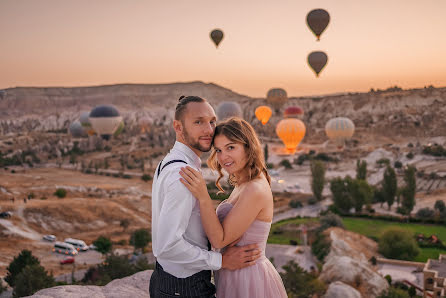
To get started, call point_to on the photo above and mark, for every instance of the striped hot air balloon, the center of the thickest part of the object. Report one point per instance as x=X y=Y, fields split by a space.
x=291 y=131
x=339 y=130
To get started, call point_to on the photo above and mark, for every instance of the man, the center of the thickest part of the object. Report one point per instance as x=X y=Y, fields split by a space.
x=184 y=261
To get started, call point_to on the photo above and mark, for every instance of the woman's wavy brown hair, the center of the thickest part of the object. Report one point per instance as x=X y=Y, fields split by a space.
x=239 y=131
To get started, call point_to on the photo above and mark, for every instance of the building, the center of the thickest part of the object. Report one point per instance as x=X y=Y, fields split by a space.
x=434 y=273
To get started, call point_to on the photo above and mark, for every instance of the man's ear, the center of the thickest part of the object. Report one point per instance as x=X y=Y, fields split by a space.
x=178 y=126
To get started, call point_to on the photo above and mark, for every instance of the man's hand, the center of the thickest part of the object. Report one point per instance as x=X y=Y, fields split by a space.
x=236 y=257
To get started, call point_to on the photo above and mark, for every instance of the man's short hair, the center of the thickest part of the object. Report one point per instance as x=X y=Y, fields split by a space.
x=182 y=103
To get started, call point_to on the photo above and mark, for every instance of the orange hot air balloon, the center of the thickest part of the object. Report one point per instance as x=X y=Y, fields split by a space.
x=263 y=113
x=291 y=131
x=293 y=111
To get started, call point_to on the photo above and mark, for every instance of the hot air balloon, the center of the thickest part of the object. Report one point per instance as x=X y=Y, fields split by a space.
x=291 y=131
x=263 y=113
x=317 y=61
x=317 y=21
x=216 y=36
x=276 y=97
x=293 y=112
x=85 y=122
x=105 y=120
x=229 y=109
x=339 y=130
x=76 y=130
x=144 y=123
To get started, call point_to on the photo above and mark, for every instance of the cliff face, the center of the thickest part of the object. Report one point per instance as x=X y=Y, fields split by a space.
x=415 y=113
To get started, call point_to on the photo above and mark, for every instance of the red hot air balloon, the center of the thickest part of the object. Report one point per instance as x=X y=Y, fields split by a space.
x=293 y=112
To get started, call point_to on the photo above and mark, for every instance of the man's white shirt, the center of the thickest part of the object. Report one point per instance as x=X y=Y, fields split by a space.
x=178 y=239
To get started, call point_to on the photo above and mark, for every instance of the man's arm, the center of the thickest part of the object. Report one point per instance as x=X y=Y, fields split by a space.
x=172 y=223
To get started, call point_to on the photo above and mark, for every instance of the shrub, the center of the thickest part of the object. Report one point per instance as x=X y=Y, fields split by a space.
x=410 y=155
x=396 y=243
x=321 y=246
x=43 y=198
x=425 y=213
x=341 y=196
x=299 y=283
x=295 y=204
x=383 y=161
x=398 y=164
x=286 y=164
x=330 y=220
x=60 y=193
x=270 y=165
x=312 y=201
x=140 y=238
x=126 y=176
x=300 y=160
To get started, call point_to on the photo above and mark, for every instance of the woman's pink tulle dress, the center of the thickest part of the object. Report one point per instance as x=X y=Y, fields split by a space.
x=258 y=281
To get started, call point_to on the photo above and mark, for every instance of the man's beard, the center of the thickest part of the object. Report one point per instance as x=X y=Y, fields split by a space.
x=195 y=143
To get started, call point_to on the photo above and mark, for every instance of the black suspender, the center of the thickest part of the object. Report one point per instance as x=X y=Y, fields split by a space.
x=168 y=163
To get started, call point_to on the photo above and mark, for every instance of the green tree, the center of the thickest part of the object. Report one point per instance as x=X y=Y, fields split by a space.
x=341 y=195
x=140 y=238
x=361 y=169
x=19 y=262
x=396 y=243
x=266 y=153
x=409 y=190
x=361 y=193
x=103 y=245
x=318 y=178
x=60 y=193
x=298 y=283
x=389 y=185
x=440 y=206
x=31 y=279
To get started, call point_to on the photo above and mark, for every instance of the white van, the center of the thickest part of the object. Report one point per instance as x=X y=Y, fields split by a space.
x=78 y=244
x=64 y=248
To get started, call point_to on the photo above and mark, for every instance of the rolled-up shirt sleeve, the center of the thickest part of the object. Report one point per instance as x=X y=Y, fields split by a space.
x=174 y=217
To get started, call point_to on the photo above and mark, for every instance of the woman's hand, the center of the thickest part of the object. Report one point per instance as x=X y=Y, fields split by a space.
x=194 y=181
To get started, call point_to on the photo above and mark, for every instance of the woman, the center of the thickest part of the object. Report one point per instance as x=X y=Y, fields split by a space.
x=245 y=217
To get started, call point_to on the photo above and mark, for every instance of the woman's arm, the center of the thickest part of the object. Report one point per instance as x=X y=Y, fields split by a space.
x=236 y=222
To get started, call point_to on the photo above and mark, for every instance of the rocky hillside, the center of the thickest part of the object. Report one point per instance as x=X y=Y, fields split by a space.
x=393 y=112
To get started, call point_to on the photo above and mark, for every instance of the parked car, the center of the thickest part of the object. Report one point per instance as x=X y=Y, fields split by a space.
x=64 y=248
x=5 y=214
x=50 y=238
x=78 y=244
x=67 y=260
x=92 y=246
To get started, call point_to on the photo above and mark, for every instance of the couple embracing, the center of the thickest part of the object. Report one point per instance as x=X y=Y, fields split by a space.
x=185 y=224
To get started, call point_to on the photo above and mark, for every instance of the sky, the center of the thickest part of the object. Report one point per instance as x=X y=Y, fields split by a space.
x=370 y=44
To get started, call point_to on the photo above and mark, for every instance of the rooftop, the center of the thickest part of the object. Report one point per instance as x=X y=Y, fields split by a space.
x=439 y=266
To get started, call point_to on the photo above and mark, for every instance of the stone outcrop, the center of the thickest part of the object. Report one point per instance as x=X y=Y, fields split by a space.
x=135 y=286
x=341 y=290
x=348 y=262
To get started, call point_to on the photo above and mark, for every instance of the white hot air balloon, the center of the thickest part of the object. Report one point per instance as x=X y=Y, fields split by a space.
x=105 y=120
x=339 y=130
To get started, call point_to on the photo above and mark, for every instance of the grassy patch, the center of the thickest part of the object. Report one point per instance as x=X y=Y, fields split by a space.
x=278 y=236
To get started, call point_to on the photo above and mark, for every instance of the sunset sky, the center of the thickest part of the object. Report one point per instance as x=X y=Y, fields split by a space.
x=370 y=44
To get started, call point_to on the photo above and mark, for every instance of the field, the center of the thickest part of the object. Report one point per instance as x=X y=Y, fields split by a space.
x=367 y=227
